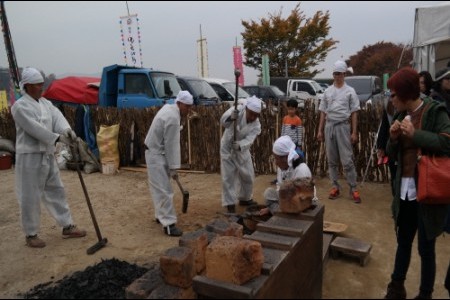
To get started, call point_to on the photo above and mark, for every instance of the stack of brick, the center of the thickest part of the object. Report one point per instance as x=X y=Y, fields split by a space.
x=225 y=228
x=172 y=279
x=218 y=251
x=197 y=241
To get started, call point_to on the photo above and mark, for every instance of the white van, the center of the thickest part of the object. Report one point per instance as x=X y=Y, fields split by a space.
x=299 y=89
x=226 y=90
x=303 y=89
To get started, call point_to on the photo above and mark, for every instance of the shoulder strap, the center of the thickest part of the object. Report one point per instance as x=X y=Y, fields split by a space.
x=427 y=105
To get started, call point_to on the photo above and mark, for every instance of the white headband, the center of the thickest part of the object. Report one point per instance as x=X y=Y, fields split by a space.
x=184 y=97
x=254 y=104
x=30 y=76
x=285 y=146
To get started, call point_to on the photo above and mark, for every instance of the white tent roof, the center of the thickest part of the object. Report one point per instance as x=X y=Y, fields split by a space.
x=432 y=24
x=432 y=37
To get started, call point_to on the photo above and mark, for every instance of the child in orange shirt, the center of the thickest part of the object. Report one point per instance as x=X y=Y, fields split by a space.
x=292 y=124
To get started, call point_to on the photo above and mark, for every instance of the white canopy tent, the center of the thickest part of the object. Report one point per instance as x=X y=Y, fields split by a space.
x=431 y=44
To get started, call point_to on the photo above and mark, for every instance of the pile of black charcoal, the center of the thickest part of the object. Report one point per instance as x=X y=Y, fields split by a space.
x=105 y=280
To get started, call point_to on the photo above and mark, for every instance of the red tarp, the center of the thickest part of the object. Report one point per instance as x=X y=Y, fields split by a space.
x=74 y=90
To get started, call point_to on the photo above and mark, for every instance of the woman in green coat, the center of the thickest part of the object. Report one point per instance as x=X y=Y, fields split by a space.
x=419 y=124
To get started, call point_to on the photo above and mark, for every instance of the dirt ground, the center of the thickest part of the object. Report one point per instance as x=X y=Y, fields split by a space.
x=125 y=215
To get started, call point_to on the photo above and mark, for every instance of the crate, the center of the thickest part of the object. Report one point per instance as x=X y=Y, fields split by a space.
x=109 y=168
x=5 y=161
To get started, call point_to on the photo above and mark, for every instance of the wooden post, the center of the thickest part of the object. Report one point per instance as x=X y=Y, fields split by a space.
x=189 y=143
x=276 y=122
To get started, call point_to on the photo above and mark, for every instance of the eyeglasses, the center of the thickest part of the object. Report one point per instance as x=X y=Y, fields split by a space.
x=393 y=95
x=338 y=73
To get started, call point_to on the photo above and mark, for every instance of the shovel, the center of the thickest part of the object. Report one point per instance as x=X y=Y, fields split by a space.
x=101 y=241
x=185 y=196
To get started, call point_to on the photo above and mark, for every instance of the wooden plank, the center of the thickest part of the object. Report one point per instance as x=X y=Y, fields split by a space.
x=273 y=240
x=213 y=288
x=279 y=229
x=285 y=226
x=327 y=238
x=143 y=168
x=273 y=257
x=191 y=171
x=134 y=169
x=333 y=227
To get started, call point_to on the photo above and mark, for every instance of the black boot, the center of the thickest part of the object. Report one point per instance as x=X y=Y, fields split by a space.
x=423 y=296
x=396 y=290
x=173 y=230
x=231 y=208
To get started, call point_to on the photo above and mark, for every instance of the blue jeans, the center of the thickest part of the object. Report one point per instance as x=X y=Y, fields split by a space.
x=408 y=223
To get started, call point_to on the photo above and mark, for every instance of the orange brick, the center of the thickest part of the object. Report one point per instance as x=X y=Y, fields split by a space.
x=177 y=266
x=233 y=259
x=144 y=285
x=296 y=195
x=197 y=241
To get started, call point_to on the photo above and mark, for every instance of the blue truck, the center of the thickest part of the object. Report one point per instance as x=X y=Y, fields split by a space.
x=119 y=86
x=126 y=87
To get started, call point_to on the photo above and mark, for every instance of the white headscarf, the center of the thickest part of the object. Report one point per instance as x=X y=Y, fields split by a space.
x=30 y=76
x=254 y=104
x=340 y=66
x=285 y=146
x=184 y=97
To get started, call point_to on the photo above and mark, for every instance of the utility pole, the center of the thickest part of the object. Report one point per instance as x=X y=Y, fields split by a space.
x=13 y=66
x=202 y=56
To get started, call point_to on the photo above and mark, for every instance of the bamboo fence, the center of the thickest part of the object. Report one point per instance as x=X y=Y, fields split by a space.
x=200 y=137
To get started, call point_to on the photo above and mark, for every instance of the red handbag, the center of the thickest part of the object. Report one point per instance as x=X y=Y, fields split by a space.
x=434 y=179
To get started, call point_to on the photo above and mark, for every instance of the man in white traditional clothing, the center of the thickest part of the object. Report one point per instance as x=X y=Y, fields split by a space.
x=291 y=165
x=39 y=125
x=163 y=159
x=236 y=166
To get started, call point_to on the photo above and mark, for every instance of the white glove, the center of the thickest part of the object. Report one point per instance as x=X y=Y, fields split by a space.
x=236 y=146
x=70 y=134
x=64 y=139
x=234 y=115
x=173 y=173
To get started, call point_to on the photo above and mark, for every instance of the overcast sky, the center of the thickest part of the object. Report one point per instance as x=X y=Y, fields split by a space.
x=83 y=37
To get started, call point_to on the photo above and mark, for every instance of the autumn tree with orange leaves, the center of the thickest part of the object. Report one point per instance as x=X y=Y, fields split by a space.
x=382 y=57
x=296 y=44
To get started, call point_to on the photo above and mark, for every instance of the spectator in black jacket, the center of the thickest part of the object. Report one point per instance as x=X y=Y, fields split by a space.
x=441 y=88
x=383 y=136
x=426 y=83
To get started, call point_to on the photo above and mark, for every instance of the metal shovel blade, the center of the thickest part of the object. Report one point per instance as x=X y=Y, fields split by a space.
x=97 y=246
x=185 y=201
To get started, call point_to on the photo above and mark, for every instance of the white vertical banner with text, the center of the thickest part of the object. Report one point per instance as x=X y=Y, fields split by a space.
x=131 y=40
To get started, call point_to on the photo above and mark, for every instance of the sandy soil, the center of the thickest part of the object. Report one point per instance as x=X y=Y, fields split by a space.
x=125 y=215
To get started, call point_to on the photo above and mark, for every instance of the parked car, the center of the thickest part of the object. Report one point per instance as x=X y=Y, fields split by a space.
x=227 y=89
x=368 y=88
x=299 y=89
x=323 y=85
x=266 y=93
x=200 y=90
